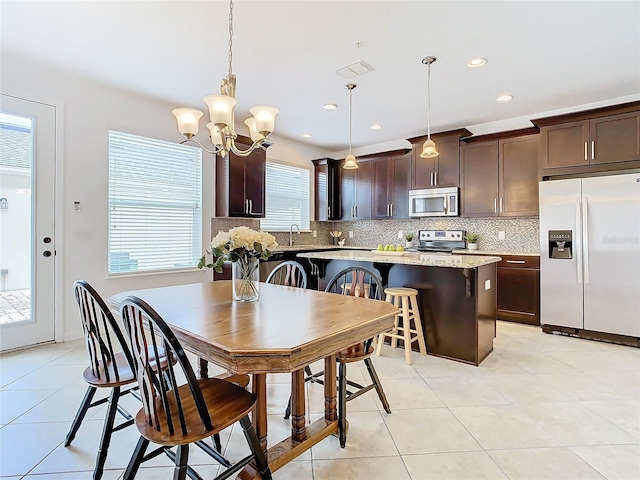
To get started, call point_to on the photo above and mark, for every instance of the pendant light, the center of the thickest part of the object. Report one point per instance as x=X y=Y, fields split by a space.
x=350 y=161
x=429 y=147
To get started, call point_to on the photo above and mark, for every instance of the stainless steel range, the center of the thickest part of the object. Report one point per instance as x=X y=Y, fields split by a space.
x=441 y=241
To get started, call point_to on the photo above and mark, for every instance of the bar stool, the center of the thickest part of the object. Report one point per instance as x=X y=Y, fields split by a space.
x=406 y=299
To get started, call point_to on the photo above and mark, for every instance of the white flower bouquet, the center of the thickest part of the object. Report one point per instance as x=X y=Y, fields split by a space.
x=238 y=244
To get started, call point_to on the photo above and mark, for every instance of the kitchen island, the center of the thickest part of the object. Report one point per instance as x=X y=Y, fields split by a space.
x=456 y=294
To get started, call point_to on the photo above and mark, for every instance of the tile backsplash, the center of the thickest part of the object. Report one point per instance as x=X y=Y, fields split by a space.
x=521 y=234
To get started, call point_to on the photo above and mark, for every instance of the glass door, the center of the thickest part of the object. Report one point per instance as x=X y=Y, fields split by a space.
x=27 y=210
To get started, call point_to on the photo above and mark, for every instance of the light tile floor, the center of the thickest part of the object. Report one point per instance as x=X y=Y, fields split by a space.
x=539 y=407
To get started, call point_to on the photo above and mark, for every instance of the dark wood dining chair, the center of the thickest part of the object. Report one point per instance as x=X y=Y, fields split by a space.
x=289 y=273
x=360 y=282
x=292 y=274
x=177 y=416
x=111 y=366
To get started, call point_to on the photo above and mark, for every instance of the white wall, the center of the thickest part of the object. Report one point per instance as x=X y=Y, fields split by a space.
x=90 y=111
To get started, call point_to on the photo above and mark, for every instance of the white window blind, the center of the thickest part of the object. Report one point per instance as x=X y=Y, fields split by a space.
x=287 y=197
x=155 y=204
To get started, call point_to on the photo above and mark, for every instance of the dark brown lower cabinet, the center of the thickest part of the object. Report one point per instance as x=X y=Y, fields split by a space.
x=518 y=278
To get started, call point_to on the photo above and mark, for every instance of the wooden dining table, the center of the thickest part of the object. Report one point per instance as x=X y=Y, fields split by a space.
x=287 y=329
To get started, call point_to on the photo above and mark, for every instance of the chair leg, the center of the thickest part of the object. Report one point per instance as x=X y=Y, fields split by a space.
x=256 y=449
x=82 y=411
x=136 y=459
x=377 y=384
x=216 y=442
x=182 y=457
x=107 y=430
x=287 y=412
x=342 y=404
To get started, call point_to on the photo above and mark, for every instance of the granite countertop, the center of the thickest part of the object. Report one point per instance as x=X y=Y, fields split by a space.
x=410 y=258
x=495 y=252
x=306 y=248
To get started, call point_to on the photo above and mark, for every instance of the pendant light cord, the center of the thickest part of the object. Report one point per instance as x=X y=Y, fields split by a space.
x=350 y=98
x=429 y=102
x=230 y=35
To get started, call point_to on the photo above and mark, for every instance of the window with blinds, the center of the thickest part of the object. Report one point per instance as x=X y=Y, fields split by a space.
x=287 y=197
x=155 y=204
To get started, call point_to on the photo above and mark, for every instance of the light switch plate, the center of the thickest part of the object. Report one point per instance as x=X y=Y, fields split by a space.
x=400 y=234
x=350 y=233
x=501 y=235
x=487 y=284
x=315 y=234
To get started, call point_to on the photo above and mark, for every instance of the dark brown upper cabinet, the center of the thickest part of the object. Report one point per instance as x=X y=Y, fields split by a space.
x=327 y=187
x=240 y=183
x=499 y=176
x=440 y=171
x=390 y=184
x=590 y=141
x=355 y=191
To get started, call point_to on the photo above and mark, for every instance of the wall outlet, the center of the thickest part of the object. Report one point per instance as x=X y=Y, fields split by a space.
x=350 y=233
x=501 y=235
x=76 y=206
x=400 y=234
x=315 y=234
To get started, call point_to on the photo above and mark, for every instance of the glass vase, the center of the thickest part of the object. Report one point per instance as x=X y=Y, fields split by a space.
x=245 y=275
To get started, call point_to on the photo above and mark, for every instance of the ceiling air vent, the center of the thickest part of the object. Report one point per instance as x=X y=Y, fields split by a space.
x=354 y=70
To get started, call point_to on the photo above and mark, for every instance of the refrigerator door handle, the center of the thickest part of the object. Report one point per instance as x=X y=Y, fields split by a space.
x=585 y=238
x=577 y=243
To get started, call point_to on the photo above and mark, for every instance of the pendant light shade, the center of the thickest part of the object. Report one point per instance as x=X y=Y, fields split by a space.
x=429 y=147
x=350 y=162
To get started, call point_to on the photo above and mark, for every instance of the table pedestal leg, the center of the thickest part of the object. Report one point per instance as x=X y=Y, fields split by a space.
x=259 y=389
x=330 y=412
x=298 y=417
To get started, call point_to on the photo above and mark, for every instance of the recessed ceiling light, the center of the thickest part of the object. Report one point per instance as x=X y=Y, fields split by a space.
x=330 y=106
x=504 y=98
x=307 y=135
x=377 y=126
x=477 y=62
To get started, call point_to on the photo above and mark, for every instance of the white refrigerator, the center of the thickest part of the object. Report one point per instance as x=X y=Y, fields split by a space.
x=591 y=228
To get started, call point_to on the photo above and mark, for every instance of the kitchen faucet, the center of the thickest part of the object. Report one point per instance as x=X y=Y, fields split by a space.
x=291 y=233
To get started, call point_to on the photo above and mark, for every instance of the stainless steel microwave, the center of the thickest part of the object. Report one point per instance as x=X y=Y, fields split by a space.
x=434 y=202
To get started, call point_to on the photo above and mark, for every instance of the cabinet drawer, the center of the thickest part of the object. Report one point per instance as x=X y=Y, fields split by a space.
x=519 y=261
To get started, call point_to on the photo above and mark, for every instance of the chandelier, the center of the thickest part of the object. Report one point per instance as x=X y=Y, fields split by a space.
x=221 y=113
x=350 y=161
x=429 y=147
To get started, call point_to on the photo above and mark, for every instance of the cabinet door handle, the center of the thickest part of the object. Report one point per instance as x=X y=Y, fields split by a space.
x=431 y=178
x=515 y=261
x=585 y=151
x=250 y=207
x=501 y=210
x=329 y=212
x=391 y=210
x=495 y=205
x=593 y=149
x=435 y=176
x=246 y=206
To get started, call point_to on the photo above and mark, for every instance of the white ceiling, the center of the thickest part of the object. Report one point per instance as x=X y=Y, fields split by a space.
x=548 y=55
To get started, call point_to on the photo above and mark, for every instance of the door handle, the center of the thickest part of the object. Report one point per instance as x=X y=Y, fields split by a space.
x=391 y=209
x=578 y=257
x=435 y=177
x=585 y=238
x=501 y=210
x=431 y=179
x=585 y=151
x=495 y=205
x=593 y=149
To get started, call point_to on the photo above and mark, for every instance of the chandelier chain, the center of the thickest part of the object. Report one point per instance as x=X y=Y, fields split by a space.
x=230 y=35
